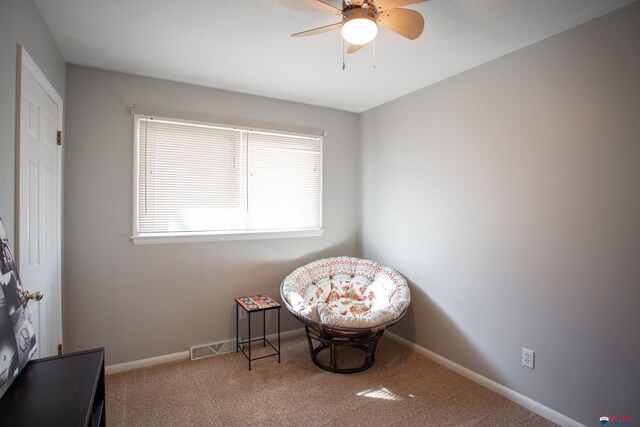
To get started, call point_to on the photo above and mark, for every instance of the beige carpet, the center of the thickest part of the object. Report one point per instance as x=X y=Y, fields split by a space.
x=403 y=388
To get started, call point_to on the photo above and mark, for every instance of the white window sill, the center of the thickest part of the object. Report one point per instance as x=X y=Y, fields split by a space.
x=167 y=238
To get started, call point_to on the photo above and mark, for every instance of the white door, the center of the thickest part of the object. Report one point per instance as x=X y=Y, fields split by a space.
x=39 y=202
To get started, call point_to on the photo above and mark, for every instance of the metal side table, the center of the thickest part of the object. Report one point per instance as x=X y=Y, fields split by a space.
x=250 y=305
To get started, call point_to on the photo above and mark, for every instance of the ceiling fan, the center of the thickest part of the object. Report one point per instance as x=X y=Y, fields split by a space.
x=360 y=20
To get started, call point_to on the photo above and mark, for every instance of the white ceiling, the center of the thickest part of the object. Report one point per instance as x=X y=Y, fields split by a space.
x=244 y=45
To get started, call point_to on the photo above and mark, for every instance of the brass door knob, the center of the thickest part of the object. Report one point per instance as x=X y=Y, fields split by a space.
x=34 y=297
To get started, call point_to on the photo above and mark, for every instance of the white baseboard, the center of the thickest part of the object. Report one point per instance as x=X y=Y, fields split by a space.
x=518 y=398
x=182 y=355
x=142 y=363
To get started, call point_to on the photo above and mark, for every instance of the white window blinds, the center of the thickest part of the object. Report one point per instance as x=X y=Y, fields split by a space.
x=201 y=178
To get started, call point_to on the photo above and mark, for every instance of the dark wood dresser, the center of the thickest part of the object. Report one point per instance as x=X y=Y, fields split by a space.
x=65 y=390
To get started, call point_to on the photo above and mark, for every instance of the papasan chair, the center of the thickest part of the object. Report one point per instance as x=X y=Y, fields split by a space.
x=345 y=301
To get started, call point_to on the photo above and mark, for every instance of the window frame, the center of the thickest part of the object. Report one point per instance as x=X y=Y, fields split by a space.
x=215 y=236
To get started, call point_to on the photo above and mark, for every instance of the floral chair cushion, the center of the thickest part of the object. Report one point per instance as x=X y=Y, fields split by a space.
x=347 y=292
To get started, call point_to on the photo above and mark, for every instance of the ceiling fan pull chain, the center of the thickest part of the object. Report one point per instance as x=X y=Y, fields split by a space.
x=343 y=64
x=373 y=59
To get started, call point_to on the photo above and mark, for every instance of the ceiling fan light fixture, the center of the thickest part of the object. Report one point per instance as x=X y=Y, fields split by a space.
x=359 y=26
x=359 y=31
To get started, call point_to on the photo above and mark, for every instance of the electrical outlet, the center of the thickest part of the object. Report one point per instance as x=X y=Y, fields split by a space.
x=528 y=357
x=243 y=314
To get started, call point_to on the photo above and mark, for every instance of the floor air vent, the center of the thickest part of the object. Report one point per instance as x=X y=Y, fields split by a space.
x=212 y=349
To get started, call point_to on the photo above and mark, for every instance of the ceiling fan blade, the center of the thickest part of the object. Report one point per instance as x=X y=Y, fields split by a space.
x=354 y=48
x=318 y=30
x=406 y=22
x=328 y=8
x=381 y=5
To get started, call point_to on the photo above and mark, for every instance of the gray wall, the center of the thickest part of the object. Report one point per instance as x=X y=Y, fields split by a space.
x=144 y=301
x=509 y=196
x=20 y=23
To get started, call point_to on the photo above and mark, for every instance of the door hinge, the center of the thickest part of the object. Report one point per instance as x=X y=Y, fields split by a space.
x=59 y=137
x=59 y=349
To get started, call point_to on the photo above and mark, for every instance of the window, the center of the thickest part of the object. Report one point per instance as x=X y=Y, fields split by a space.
x=200 y=181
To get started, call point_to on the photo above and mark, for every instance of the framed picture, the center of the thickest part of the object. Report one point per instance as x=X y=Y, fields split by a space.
x=17 y=337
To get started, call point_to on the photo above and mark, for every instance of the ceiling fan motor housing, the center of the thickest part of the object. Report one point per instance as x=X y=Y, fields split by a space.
x=357 y=12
